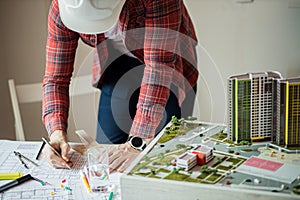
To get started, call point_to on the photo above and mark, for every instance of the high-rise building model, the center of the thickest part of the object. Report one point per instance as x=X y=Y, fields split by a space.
x=287 y=112
x=264 y=107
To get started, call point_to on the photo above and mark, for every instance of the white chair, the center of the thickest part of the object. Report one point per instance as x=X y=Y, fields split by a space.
x=30 y=93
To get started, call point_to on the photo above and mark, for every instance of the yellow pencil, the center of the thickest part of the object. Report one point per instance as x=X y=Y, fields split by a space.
x=10 y=175
x=85 y=181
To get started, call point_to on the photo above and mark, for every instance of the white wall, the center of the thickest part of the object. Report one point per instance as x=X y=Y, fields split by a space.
x=22 y=56
x=238 y=38
x=23 y=40
x=234 y=38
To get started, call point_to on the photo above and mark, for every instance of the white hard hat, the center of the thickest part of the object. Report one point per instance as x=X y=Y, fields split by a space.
x=90 y=16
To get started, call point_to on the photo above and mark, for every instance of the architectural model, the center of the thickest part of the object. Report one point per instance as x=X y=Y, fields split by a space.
x=264 y=107
x=287 y=112
x=181 y=163
x=256 y=156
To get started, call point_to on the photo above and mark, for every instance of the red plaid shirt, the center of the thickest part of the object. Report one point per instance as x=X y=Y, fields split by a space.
x=158 y=32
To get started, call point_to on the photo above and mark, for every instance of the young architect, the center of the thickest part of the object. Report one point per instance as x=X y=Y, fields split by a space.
x=145 y=65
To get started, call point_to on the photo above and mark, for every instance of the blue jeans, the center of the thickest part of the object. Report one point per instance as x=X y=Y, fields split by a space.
x=119 y=97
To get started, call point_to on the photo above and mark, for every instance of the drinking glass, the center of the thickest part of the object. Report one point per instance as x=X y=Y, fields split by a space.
x=98 y=169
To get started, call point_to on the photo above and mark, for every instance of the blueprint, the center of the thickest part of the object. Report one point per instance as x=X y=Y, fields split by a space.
x=55 y=179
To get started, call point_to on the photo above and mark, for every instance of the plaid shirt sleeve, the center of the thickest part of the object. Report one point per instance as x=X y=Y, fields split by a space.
x=162 y=24
x=60 y=54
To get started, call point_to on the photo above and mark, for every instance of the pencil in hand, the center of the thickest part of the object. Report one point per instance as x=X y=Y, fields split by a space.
x=55 y=151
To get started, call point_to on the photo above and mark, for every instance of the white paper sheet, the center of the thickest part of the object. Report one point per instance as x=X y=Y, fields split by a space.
x=35 y=190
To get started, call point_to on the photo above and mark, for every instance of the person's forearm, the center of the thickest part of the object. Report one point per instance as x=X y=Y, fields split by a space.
x=60 y=55
x=151 y=107
x=162 y=25
x=55 y=105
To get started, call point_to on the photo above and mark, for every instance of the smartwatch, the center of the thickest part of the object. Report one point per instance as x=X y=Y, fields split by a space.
x=137 y=143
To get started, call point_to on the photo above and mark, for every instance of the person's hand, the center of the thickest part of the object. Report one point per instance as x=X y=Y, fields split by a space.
x=58 y=140
x=121 y=156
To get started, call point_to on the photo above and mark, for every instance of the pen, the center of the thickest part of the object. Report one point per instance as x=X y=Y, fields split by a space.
x=85 y=181
x=54 y=150
x=40 y=150
x=15 y=182
x=10 y=175
x=40 y=181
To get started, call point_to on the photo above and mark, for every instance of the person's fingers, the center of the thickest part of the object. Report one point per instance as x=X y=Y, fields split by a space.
x=61 y=164
x=58 y=162
x=70 y=163
x=114 y=156
x=110 y=152
x=121 y=160
x=52 y=158
x=60 y=144
x=124 y=165
x=65 y=148
x=116 y=163
x=117 y=151
x=128 y=161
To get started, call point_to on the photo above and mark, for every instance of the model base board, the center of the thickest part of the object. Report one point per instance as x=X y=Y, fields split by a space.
x=194 y=160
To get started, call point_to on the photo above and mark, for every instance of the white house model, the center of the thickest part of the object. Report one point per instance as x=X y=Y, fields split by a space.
x=186 y=160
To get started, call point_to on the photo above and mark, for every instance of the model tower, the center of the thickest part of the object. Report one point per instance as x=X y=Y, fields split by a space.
x=287 y=112
x=250 y=106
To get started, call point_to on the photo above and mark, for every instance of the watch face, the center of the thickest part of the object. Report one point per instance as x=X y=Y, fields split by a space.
x=136 y=141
